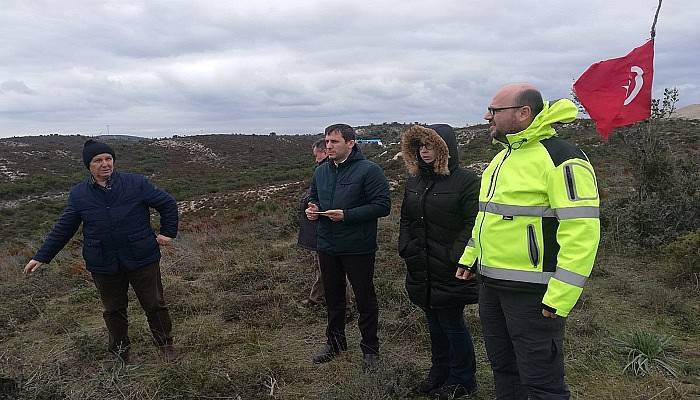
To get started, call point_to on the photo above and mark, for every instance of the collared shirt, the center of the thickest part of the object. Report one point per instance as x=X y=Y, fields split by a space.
x=108 y=184
x=337 y=163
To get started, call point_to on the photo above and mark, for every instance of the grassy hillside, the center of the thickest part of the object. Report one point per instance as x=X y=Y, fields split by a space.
x=234 y=277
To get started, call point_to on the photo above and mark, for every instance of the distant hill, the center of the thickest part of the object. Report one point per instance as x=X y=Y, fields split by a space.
x=688 y=112
x=121 y=137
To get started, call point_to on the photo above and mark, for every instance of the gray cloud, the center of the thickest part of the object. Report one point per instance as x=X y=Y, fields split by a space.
x=163 y=67
x=16 y=86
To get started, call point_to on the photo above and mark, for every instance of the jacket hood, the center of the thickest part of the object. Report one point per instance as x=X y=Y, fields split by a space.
x=563 y=110
x=443 y=139
x=355 y=155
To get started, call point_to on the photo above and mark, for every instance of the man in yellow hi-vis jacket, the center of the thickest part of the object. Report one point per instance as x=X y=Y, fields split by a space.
x=533 y=243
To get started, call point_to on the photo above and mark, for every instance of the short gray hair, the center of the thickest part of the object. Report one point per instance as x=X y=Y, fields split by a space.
x=319 y=145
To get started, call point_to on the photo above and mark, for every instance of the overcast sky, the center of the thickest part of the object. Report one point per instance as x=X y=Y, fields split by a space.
x=158 y=68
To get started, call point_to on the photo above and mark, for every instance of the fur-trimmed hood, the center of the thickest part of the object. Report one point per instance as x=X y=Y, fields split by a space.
x=443 y=139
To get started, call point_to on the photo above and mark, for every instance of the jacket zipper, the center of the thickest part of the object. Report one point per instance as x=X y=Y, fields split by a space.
x=428 y=185
x=490 y=194
x=570 y=182
x=532 y=248
x=494 y=176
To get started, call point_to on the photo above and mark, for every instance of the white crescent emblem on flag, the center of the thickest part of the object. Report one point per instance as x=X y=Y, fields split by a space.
x=638 y=83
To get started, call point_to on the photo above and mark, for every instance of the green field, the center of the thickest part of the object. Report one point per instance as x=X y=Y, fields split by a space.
x=234 y=277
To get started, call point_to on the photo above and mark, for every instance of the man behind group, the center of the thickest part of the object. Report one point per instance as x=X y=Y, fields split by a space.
x=349 y=193
x=119 y=246
x=534 y=242
x=307 y=239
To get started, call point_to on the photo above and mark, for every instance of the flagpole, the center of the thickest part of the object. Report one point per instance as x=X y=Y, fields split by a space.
x=656 y=17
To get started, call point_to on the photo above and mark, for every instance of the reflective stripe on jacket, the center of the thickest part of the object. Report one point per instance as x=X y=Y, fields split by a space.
x=538 y=226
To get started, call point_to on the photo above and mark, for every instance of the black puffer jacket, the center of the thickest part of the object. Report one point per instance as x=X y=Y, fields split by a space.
x=437 y=216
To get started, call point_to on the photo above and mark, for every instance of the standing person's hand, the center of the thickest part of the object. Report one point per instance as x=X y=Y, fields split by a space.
x=32 y=266
x=335 y=215
x=548 y=314
x=311 y=211
x=163 y=240
x=464 y=274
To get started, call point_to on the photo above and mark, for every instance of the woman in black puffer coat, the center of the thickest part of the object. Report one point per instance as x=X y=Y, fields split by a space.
x=437 y=217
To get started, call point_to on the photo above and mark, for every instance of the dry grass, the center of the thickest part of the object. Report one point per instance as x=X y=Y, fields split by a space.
x=234 y=293
x=234 y=279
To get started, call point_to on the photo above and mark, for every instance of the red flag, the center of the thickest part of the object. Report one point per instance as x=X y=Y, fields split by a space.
x=617 y=92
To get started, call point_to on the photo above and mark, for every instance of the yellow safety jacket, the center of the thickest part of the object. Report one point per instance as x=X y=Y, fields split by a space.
x=538 y=226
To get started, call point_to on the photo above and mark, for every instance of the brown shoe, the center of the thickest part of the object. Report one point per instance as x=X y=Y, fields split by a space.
x=169 y=353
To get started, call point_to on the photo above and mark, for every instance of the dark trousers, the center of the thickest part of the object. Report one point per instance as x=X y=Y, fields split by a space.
x=359 y=270
x=452 y=347
x=526 y=349
x=147 y=285
x=317 y=293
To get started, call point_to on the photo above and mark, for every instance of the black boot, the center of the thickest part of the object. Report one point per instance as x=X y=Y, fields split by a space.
x=429 y=385
x=326 y=354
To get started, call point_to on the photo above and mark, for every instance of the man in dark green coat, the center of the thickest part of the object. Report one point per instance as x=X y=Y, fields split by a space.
x=349 y=193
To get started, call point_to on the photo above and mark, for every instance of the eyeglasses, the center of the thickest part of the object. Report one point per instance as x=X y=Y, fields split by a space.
x=494 y=110
x=425 y=146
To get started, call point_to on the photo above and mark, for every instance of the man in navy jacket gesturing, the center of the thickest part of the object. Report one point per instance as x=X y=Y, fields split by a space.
x=119 y=246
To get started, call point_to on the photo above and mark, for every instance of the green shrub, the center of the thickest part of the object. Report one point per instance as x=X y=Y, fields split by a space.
x=664 y=108
x=683 y=254
x=662 y=204
x=646 y=354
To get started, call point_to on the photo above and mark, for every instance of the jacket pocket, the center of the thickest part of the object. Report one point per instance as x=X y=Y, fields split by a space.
x=445 y=198
x=143 y=244
x=92 y=253
x=532 y=247
x=348 y=194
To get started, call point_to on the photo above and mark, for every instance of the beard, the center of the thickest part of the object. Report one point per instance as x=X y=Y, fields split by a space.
x=505 y=128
